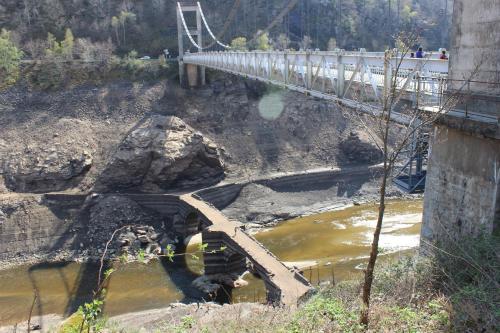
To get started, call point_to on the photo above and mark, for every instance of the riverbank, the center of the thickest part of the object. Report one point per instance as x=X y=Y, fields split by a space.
x=289 y=194
x=333 y=309
x=327 y=246
x=66 y=223
x=259 y=206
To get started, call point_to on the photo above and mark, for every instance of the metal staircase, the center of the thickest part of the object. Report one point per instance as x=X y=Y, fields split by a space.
x=411 y=177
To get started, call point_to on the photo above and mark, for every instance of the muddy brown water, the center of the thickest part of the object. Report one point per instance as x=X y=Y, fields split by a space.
x=330 y=245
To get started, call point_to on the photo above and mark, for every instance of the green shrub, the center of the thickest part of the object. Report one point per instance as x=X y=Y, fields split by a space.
x=321 y=312
x=468 y=271
x=10 y=57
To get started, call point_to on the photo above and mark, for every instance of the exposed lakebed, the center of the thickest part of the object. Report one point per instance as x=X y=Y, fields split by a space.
x=326 y=244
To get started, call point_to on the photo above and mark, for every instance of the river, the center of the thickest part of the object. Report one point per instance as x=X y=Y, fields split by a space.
x=330 y=245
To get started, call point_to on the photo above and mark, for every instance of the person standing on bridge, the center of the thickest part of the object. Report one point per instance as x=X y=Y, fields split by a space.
x=443 y=55
x=420 y=53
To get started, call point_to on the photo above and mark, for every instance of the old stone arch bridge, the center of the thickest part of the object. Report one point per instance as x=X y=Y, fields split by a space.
x=284 y=286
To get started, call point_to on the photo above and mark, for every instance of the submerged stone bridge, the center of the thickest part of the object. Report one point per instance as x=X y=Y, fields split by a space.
x=193 y=215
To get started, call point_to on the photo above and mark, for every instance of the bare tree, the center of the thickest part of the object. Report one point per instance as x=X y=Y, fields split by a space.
x=392 y=128
x=282 y=42
x=90 y=51
x=306 y=43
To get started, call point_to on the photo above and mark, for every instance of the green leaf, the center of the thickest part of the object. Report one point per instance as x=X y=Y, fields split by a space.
x=202 y=247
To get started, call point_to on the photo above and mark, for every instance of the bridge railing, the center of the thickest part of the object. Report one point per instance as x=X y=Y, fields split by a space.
x=332 y=73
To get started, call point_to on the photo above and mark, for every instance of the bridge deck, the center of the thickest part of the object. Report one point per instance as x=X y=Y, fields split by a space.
x=291 y=285
x=330 y=72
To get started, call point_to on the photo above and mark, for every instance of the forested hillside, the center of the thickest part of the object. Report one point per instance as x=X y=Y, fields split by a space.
x=150 y=26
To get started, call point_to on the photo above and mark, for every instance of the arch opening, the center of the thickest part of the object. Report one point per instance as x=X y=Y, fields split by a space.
x=192 y=224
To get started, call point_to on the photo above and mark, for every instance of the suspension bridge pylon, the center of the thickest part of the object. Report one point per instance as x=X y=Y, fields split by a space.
x=189 y=74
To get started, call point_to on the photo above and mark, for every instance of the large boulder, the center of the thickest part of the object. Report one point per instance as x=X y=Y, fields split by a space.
x=163 y=153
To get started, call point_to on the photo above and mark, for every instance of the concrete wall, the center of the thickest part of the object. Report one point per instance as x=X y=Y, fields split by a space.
x=476 y=40
x=322 y=179
x=38 y=224
x=461 y=195
x=221 y=196
x=476 y=44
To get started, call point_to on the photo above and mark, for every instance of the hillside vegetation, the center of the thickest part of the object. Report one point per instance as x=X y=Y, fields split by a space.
x=150 y=26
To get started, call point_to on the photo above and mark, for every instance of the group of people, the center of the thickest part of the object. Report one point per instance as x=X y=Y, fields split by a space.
x=420 y=54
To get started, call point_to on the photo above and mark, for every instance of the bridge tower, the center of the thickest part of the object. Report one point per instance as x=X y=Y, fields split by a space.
x=462 y=195
x=189 y=74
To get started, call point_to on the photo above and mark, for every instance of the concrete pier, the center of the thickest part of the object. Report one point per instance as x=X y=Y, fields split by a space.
x=462 y=189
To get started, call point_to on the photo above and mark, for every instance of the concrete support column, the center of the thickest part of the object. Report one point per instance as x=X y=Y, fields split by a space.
x=181 y=48
x=200 y=73
x=200 y=43
x=192 y=74
x=462 y=197
x=340 y=74
x=462 y=186
x=213 y=258
x=273 y=294
x=221 y=262
x=287 y=67
x=308 y=70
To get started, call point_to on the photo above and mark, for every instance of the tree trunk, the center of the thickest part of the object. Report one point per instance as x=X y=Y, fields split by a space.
x=367 y=287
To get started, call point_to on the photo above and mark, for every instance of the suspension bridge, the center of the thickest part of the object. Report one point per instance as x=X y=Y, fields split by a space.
x=332 y=75
x=360 y=80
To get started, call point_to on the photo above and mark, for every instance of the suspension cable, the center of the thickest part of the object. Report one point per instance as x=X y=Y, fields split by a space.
x=230 y=19
x=278 y=18
x=209 y=30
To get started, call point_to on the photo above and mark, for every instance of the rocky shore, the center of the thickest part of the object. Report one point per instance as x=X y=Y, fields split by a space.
x=168 y=318
x=257 y=206
x=260 y=207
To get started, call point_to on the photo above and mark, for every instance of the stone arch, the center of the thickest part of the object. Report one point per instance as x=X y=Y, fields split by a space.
x=236 y=263
x=192 y=223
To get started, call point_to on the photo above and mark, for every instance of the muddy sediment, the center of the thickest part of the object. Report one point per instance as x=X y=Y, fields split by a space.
x=76 y=227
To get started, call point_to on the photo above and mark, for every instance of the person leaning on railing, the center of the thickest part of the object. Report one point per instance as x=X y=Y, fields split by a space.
x=443 y=55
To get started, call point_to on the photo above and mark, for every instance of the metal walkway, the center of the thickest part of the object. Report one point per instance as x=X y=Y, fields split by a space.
x=330 y=75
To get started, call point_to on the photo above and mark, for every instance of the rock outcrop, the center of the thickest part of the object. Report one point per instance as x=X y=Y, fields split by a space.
x=163 y=153
x=358 y=149
x=143 y=230
x=48 y=170
x=49 y=163
x=210 y=284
